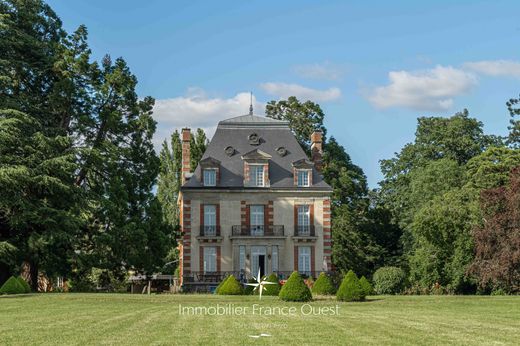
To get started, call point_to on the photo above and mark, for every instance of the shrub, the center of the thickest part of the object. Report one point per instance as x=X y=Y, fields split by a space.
x=498 y=292
x=270 y=290
x=230 y=287
x=389 y=280
x=249 y=289
x=366 y=286
x=350 y=290
x=323 y=285
x=24 y=284
x=221 y=284
x=12 y=286
x=295 y=290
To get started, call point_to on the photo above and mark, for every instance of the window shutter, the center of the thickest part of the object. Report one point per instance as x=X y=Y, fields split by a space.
x=201 y=221
x=311 y=214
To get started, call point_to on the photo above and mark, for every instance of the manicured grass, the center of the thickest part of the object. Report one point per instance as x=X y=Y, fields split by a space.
x=134 y=319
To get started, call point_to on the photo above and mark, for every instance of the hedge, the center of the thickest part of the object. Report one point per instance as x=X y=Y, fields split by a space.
x=366 y=286
x=323 y=285
x=350 y=290
x=12 y=286
x=389 y=280
x=230 y=287
x=295 y=290
x=271 y=290
x=24 y=284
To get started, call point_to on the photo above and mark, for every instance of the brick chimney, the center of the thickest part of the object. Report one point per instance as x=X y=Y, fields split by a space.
x=186 y=154
x=317 y=149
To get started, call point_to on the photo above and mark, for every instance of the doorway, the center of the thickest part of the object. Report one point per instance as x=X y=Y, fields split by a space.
x=258 y=260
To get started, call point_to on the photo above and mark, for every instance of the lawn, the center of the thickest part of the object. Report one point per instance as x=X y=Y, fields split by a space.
x=157 y=319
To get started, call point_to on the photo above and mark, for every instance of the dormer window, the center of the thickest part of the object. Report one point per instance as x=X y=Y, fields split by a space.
x=302 y=177
x=256 y=168
x=256 y=175
x=210 y=177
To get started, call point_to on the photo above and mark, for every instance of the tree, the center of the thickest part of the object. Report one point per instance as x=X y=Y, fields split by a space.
x=497 y=241
x=198 y=145
x=514 y=128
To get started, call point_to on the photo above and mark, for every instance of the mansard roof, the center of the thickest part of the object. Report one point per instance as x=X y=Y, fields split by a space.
x=249 y=136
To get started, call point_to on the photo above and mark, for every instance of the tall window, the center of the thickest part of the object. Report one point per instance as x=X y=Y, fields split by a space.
x=210 y=219
x=274 y=258
x=242 y=257
x=304 y=220
x=303 y=178
x=257 y=220
x=210 y=259
x=210 y=177
x=304 y=259
x=256 y=174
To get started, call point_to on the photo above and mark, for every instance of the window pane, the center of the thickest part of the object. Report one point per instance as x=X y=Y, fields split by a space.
x=303 y=178
x=242 y=257
x=210 y=177
x=274 y=258
x=210 y=259
x=257 y=175
x=304 y=219
x=257 y=219
x=304 y=259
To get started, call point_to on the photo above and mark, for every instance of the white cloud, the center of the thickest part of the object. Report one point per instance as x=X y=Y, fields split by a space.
x=284 y=90
x=325 y=70
x=197 y=109
x=430 y=90
x=495 y=68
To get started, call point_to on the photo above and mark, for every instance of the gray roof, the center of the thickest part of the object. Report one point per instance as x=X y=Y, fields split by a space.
x=273 y=134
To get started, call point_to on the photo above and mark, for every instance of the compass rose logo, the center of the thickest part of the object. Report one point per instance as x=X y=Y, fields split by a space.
x=260 y=284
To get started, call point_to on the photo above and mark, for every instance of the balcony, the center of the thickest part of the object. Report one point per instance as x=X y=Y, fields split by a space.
x=209 y=233
x=304 y=231
x=274 y=231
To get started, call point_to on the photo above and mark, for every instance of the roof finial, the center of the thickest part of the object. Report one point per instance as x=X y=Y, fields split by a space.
x=251 y=105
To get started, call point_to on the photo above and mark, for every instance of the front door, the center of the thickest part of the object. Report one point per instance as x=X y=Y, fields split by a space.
x=258 y=259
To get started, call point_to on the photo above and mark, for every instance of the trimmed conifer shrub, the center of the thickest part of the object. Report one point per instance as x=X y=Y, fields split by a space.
x=295 y=290
x=230 y=287
x=323 y=286
x=221 y=284
x=24 y=284
x=389 y=280
x=350 y=290
x=366 y=286
x=270 y=290
x=12 y=286
x=249 y=289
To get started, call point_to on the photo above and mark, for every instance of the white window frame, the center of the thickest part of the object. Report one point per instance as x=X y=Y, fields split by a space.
x=303 y=177
x=274 y=258
x=304 y=259
x=242 y=257
x=210 y=259
x=209 y=176
x=256 y=175
x=304 y=219
x=256 y=218
x=210 y=219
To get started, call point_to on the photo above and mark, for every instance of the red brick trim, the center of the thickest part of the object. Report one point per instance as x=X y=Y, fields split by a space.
x=327 y=234
x=295 y=258
x=313 y=260
x=217 y=217
x=201 y=219
x=295 y=218
x=201 y=258
x=311 y=214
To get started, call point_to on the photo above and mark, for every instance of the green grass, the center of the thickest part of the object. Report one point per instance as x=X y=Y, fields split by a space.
x=134 y=319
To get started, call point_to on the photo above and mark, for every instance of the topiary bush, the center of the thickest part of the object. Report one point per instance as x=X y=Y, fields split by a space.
x=295 y=290
x=366 y=286
x=270 y=290
x=350 y=290
x=12 y=286
x=230 y=287
x=249 y=289
x=323 y=286
x=24 y=284
x=389 y=280
x=221 y=284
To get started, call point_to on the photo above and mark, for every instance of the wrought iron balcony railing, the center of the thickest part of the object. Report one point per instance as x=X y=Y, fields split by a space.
x=209 y=231
x=258 y=231
x=304 y=231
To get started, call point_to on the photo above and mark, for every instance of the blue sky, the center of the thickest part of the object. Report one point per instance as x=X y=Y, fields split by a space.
x=374 y=67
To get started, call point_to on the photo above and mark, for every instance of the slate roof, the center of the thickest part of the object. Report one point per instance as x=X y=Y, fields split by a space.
x=273 y=134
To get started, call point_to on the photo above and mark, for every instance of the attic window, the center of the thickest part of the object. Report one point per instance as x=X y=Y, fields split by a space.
x=281 y=151
x=229 y=151
x=254 y=139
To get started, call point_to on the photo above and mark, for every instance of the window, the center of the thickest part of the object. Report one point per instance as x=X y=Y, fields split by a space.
x=274 y=259
x=257 y=219
x=210 y=259
x=303 y=178
x=242 y=258
x=210 y=177
x=210 y=220
x=304 y=220
x=304 y=259
x=256 y=175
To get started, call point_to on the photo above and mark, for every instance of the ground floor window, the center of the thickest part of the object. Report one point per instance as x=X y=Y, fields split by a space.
x=304 y=259
x=242 y=257
x=274 y=258
x=210 y=259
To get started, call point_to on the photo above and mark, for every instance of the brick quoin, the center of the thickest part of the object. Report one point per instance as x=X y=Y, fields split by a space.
x=295 y=258
x=327 y=236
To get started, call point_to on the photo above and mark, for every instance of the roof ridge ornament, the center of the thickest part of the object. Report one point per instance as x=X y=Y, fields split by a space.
x=251 y=104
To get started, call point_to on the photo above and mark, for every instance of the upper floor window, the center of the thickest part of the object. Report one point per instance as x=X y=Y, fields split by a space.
x=210 y=219
x=210 y=177
x=304 y=219
x=257 y=219
x=256 y=175
x=303 y=178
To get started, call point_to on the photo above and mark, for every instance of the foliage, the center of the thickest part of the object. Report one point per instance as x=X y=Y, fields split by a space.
x=350 y=290
x=367 y=288
x=497 y=241
x=323 y=285
x=249 y=289
x=231 y=286
x=12 y=286
x=389 y=280
x=295 y=290
x=271 y=290
x=198 y=145
x=221 y=284
x=514 y=123
x=24 y=284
